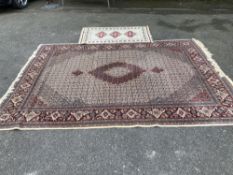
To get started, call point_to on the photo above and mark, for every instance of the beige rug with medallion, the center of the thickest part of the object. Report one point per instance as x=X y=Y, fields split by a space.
x=165 y=83
x=110 y=35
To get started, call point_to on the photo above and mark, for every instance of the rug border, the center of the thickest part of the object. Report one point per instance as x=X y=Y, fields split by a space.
x=202 y=47
x=19 y=75
x=209 y=57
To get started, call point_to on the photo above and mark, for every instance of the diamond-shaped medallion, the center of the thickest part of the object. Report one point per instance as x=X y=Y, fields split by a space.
x=101 y=34
x=115 y=34
x=130 y=34
x=104 y=72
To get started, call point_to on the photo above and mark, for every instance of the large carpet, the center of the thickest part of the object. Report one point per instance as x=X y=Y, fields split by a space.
x=166 y=83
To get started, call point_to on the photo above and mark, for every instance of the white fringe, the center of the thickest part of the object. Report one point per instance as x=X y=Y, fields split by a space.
x=81 y=35
x=149 y=33
x=12 y=86
x=212 y=61
x=121 y=126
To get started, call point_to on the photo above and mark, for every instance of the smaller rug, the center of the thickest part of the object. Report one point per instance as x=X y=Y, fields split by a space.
x=106 y=35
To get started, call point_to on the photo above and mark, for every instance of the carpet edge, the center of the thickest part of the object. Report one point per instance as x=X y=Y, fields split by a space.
x=209 y=57
x=156 y=125
x=81 y=35
x=149 y=34
x=19 y=75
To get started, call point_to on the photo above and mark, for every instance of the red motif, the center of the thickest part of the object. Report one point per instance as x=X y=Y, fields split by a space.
x=202 y=96
x=130 y=34
x=157 y=70
x=115 y=34
x=101 y=34
x=77 y=72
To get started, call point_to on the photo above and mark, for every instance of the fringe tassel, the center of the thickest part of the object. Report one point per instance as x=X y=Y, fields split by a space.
x=212 y=61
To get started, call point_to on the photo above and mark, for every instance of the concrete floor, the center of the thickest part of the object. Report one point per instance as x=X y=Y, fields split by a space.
x=137 y=151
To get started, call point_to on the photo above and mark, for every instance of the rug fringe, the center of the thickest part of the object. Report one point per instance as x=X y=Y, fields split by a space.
x=149 y=34
x=120 y=126
x=12 y=86
x=81 y=35
x=209 y=56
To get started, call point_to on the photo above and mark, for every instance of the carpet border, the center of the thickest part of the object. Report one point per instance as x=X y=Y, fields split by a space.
x=202 y=47
x=209 y=57
x=19 y=75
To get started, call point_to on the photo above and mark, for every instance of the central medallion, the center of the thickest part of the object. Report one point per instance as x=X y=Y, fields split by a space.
x=117 y=72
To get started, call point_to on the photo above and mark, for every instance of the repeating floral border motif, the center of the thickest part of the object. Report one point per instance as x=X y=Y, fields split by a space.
x=13 y=113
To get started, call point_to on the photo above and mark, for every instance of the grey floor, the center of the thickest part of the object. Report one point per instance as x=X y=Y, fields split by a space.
x=137 y=151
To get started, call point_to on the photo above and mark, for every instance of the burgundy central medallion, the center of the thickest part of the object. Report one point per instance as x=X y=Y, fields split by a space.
x=102 y=72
